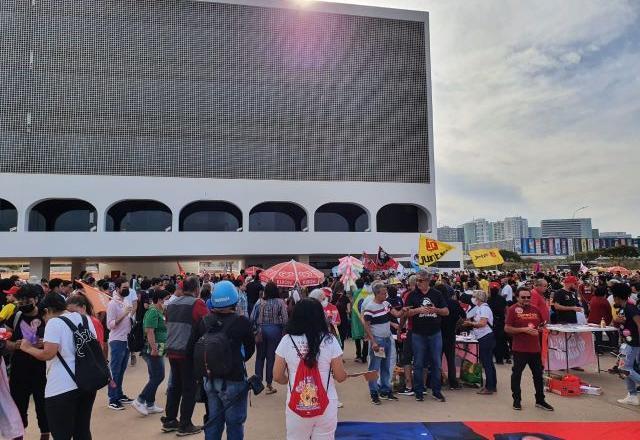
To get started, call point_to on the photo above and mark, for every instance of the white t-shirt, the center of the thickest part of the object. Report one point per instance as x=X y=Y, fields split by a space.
x=329 y=349
x=477 y=313
x=56 y=331
x=507 y=292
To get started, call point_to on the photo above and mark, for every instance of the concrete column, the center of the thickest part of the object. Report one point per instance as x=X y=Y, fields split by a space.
x=175 y=219
x=77 y=266
x=40 y=268
x=303 y=259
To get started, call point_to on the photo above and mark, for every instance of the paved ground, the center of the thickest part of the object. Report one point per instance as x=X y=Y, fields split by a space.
x=266 y=414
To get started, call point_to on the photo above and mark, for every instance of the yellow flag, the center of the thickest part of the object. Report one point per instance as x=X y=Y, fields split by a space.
x=486 y=257
x=430 y=251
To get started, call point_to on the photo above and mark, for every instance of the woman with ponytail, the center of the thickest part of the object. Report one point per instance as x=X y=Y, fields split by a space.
x=308 y=344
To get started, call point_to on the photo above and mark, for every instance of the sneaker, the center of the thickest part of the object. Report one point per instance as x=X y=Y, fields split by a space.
x=455 y=387
x=439 y=397
x=517 y=405
x=140 y=407
x=125 y=399
x=630 y=400
x=340 y=404
x=189 y=430
x=508 y=361
x=419 y=398
x=375 y=399
x=116 y=406
x=389 y=396
x=155 y=409
x=484 y=392
x=270 y=390
x=406 y=392
x=169 y=425
x=544 y=405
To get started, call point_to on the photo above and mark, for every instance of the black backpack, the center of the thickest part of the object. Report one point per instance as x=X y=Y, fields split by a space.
x=92 y=372
x=212 y=353
x=135 y=340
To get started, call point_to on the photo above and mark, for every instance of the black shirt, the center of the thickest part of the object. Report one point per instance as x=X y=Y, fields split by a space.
x=253 y=291
x=449 y=322
x=629 y=324
x=568 y=299
x=242 y=340
x=22 y=363
x=498 y=306
x=426 y=324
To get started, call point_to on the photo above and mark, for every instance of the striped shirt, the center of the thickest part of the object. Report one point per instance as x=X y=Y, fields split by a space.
x=377 y=315
x=274 y=311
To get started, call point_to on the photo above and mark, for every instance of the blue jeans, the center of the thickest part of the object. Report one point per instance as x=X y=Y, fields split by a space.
x=427 y=349
x=383 y=365
x=632 y=354
x=118 y=365
x=271 y=335
x=155 y=367
x=220 y=393
x=487 y=344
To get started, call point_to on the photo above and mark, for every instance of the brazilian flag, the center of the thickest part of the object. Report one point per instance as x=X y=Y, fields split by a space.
x=357 y=329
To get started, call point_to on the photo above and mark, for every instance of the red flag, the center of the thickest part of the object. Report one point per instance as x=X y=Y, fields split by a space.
x=180 y=269
x=385 y=262
x=98 y=299
x=368 y=262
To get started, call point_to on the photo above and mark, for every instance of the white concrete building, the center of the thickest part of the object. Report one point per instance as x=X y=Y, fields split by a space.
x=253 y=130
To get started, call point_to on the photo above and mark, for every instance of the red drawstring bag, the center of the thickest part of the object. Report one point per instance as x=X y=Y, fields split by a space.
x=308 y=395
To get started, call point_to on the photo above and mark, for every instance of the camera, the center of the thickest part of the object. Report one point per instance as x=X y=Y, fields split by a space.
x=255 y=384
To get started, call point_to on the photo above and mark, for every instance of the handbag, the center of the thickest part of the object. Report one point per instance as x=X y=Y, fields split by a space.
x=258 y=336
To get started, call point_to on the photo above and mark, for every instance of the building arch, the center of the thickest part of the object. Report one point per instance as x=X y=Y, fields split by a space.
x=62 y=215
x=278 y=216
x=341 y=217
x=8 y=216
x=210 y=215
x=403 y=217
x=138 y=216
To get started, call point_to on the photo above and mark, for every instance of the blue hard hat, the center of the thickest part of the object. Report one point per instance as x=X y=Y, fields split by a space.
x=224 y=295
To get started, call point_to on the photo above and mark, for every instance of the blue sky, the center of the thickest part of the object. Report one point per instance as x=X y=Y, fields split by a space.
x=536 y=108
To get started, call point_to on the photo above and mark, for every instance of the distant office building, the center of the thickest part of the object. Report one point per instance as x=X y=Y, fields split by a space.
x=614 y=235
x=595 y=234
x=515 y=228
x=535 y=232
x=499 y=230
x=567 y=228
x=508 y=245
x=447 y=233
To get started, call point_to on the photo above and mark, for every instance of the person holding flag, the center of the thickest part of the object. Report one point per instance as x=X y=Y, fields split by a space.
x=357 y=326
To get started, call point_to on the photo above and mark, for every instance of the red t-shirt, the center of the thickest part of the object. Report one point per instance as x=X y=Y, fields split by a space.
x=332 y=314
x=520 y=317
x=599 y=308
x=99 y=330
x=539 y=302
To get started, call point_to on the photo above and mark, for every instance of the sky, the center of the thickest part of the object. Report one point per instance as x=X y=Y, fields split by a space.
x=536 y=109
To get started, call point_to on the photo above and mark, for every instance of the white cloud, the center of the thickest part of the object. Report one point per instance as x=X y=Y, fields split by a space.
x=540 y=100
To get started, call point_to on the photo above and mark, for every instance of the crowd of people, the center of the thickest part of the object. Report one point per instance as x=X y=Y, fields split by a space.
x=210 y=327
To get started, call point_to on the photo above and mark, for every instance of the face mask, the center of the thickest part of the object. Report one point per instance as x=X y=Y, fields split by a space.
x=474 y=301
x=325 y=302
x=27 y=308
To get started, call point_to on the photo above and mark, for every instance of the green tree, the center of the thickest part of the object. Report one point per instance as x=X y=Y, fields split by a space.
x=510 y=256
x=621 y=253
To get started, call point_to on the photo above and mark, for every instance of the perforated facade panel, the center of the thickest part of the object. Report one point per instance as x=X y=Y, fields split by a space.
x=199 y=89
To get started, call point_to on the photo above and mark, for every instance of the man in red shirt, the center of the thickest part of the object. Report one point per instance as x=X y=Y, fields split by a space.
x=523 y=321
x=538 y=299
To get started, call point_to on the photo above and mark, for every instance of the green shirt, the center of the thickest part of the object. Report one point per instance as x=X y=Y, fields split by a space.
x=154 y=319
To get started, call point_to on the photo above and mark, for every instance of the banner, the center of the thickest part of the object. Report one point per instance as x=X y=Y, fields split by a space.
x=486 y=257
x=430 y=251
x=581 y=350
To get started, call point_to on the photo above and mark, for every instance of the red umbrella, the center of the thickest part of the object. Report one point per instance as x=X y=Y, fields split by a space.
x=251 y=271
x=622 y=270
x=292 y=273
